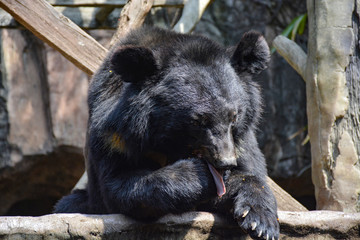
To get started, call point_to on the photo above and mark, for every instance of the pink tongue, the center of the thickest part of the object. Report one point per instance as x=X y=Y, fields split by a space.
x=219 y=182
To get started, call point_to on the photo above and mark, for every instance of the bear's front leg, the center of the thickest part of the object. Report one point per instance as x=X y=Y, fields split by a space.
x=148 y=195
x=255 y=207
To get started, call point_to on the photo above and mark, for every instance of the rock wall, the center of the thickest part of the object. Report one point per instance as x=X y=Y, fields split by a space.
x=43 y=116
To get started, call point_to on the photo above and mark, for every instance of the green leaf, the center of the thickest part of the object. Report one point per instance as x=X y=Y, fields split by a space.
x=302 y=24
x=306 y=140
x=289 y=28
x=301 y=20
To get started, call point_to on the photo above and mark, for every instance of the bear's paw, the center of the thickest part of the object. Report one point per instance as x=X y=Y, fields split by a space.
x=258 y=220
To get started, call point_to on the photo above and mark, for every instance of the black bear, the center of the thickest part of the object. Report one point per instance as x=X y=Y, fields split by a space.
x=172 y=120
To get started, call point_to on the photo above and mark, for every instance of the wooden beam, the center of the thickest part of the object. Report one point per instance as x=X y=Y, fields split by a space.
x=112 y=3
x=284 y=200
x=58 y=31
x=132 y=16
x=292 y=53
x=191 y=15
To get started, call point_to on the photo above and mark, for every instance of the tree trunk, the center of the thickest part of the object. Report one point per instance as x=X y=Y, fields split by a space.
x=333 y=102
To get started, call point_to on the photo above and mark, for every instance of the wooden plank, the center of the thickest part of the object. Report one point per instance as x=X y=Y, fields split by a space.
x=284 y=200
x=113 y=3
x=58 y=31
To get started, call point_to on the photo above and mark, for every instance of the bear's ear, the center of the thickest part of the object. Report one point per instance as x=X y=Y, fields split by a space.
x=252 y=54
x=134 y=64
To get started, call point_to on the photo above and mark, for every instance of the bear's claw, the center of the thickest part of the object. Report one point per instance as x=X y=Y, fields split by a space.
x=253 y=226
x=245 y=213
x=259 y=224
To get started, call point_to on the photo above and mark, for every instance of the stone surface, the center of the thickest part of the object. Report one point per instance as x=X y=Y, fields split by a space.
x=28 y=130
x=43 y=120
x=68 y=88
x=188 y=226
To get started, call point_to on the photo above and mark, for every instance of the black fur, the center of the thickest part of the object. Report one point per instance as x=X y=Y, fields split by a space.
x=161 y=107
x=133 y=64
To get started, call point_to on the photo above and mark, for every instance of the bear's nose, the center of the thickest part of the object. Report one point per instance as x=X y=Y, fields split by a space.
x=226 y=162
x=219 y=159
x=223 y=151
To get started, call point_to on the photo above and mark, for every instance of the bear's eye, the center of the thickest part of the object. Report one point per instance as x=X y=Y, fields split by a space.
x=195 y=122
x=232 y=116
x=200 y=121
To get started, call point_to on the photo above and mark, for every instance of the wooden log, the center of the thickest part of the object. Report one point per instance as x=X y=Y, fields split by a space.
x=113 y=3
x=57 y=31
x=132 y=16
x=191 y=225
x=332 y=91
x=292 y=53
x=284 y=200
x=192 y=13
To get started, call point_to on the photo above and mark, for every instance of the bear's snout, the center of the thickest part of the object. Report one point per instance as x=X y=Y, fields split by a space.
x=219 y=157
x=221 y=151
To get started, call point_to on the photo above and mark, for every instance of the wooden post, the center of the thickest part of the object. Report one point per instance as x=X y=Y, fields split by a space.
x=332 y=73
x=132 y=16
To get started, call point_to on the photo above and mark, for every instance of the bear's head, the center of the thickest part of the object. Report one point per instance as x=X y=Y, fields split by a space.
x=192 y=97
